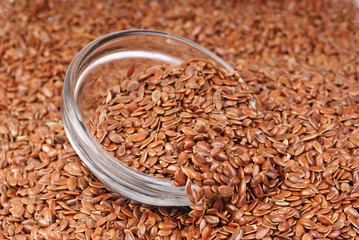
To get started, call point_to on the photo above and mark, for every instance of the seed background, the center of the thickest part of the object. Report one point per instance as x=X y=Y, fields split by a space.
x=291 y=53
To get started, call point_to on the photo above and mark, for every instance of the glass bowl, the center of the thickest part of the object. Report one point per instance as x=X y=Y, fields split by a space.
x=101 y=65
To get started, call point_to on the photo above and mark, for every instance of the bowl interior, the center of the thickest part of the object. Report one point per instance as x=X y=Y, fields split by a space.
x=107 y=63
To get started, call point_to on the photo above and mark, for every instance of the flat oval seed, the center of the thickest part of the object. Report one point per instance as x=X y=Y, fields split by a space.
x=225 y=191
x=156 y=96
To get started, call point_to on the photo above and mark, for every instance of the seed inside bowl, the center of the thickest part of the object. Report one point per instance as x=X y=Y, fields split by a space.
x=184 y=123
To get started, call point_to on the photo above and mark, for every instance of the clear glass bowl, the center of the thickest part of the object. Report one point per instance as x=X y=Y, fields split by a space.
x=101 y=65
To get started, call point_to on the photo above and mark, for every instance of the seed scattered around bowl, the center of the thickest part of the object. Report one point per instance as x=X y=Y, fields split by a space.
x=297 y=57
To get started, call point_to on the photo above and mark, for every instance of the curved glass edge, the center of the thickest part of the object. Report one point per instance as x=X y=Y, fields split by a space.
x=103 y=39
x=153 y=195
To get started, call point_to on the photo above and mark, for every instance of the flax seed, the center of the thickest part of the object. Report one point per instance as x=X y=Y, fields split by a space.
x=306 y=145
